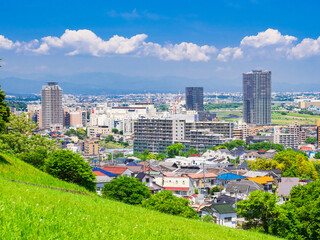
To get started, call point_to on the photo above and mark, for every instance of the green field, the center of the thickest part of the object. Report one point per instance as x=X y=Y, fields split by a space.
x=111 y=145
x=30 y=212
x=277 y=117
x=290 y=118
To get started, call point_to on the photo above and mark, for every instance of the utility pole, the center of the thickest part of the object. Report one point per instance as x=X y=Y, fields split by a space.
x=204 y=177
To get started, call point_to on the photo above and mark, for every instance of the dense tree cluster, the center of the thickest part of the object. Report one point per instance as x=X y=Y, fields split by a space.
x=20 y=106
x=291 y=163
x=298 y=218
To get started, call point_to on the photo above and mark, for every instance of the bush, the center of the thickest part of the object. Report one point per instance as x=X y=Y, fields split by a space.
x=215 y=189
x=126 y=189
x=207 y=218
x=166 y=202
x=70 y=167
x=36 y=158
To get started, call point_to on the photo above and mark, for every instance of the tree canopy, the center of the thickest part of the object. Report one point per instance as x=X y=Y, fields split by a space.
x=166 y=202
x=126 y=189
x=260 y=210
x=70 y=167
x=174 y=150
x=4 y=112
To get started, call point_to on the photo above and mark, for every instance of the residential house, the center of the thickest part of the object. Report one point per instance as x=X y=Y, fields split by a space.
x=102 y=177
x=251 y=156
x=203 y=181
x=266 y=181
x=149 y=181
x=225 y=178
x=243 y=187
x=119 y=170
x=181 y=186
x=223 y=213
x=285 y=186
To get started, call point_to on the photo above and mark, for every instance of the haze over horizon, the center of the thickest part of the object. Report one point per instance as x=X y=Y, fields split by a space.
x=99 y=48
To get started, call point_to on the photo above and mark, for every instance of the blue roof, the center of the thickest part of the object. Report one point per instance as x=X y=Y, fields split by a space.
x=230 y=176
x=109 y=174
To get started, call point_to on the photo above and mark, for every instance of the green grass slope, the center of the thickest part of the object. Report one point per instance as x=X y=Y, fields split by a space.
x=13 y=168
x=30 y=212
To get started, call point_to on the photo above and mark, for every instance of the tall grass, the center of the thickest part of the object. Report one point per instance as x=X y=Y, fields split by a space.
x=28 y=212
x=13 y=168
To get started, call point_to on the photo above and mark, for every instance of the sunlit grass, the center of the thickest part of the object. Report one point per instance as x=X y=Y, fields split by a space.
x=15 y=169
x=28 y=212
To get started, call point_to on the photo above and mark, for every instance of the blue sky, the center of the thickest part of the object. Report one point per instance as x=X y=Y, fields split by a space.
x=206 y=42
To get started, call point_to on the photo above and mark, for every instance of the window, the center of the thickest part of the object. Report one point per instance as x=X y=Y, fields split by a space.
x=147 y=180
x=228 y=219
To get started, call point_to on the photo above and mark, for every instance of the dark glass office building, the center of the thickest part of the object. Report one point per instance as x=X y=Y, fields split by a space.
x=194 y=98
x=257 y=97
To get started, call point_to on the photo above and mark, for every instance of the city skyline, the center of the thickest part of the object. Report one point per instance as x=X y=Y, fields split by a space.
x=146 y=47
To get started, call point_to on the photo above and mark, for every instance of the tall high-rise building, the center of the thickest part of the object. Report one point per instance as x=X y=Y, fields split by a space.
x=318 y=133
x=257 y=97
x=51 y=106
x=194 y=98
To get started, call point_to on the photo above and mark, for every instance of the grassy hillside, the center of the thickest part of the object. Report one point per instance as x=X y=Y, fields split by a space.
x=13 y=168
x=30 y=212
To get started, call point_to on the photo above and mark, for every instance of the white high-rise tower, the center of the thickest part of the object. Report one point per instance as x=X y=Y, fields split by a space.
x=51 y=104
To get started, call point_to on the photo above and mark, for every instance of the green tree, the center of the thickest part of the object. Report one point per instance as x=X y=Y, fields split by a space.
x=121 y=132
x=310 y=140
x=115 y=130
x=126 y=189
x=317 y=155
x=304 y=204
x=109 y=138
x=21 y=137
x=234 y=144
x=215 y=189
x=70 y=167
x=192 y=151
x=260 y=210
x=4 y=112
x=166 y=202
x=174 y=149
x=160 y=156
x=36 y=158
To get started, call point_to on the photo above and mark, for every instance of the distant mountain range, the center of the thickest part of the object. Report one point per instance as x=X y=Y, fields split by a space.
x=111 y=83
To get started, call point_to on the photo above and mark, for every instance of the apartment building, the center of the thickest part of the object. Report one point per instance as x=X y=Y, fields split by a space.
x=91 y=147
x=156 y=134
x=97 y=131
x=318 y=133
x=51 y=105
x=288 y=140
x=221 y=127
x=257 y=97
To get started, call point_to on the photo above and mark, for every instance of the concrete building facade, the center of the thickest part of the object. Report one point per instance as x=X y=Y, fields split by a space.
x=194 y=98
x=257 y=97
x=51 y=106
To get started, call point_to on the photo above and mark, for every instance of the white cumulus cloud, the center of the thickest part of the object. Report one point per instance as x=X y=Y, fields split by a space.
x=269 y=44
x=177 y=52
x=229 y=53
x=307 y=48
x=267 y=38
x=7 y=44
